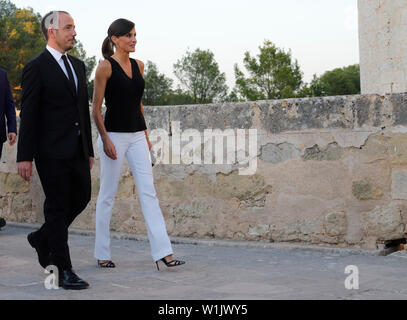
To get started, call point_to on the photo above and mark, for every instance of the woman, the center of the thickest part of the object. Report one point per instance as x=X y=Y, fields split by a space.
x=123 y=133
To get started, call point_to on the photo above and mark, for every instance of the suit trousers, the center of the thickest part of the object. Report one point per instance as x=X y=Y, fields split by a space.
x=67 y=188
x=134 y=147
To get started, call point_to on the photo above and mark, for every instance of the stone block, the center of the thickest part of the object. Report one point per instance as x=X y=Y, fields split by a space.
x=364 y=190
x=331 y=153
x=249 y=189
x=384 y=222
x=15 y=184
x=273 y=153
x=126 y=188
x=259 y=230
x=399 y=184
x=335 y=224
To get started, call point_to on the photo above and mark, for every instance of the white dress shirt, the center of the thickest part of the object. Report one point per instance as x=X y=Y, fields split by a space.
x=58 y=57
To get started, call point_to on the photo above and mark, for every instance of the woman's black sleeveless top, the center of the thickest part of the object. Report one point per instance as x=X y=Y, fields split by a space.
x=123 y=99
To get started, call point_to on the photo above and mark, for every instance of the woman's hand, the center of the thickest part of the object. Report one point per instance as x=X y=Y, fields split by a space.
x=109 y=148
x=150 y=145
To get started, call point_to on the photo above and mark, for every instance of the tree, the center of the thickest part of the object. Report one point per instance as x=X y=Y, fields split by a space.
x=272 y=75
x=21 y=40
x=199 y=74
x=6 y=8
x=158 y=86
x=178 y=97
x=233 y=96
x=340 y=81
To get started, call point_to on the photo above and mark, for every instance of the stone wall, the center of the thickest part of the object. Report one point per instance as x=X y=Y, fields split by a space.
x=329 y=171
x=383 y=46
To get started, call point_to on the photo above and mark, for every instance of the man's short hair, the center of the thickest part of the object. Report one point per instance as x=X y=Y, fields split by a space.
x=51 y=20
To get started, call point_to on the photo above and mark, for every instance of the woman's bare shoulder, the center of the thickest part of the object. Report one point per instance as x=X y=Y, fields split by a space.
x=104 y=68
x=140 y=65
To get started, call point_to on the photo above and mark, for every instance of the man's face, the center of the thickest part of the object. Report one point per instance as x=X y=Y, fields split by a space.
x=65 y=35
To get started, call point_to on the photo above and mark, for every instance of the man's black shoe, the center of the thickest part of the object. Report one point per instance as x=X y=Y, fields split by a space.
x=2 y=223
x=44 y=257
x=70 y=281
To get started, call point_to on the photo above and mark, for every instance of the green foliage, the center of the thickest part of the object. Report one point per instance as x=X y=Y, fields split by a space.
x=158 y=86
x=340 y=81
x=178 y=97
x=6 y=8
x=21 y=40
x=199 y=75
x=272 y=75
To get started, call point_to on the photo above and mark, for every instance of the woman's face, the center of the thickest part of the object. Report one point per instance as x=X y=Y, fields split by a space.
x=127 y=43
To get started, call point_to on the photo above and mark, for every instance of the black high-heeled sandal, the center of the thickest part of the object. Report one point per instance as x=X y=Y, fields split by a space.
x=106 y=264
x=172 y=263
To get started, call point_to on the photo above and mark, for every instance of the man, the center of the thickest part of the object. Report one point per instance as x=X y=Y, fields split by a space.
x=55 y=132
x=7 y=111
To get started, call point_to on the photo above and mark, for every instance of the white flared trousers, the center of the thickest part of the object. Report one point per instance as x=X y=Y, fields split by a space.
x=134 y=147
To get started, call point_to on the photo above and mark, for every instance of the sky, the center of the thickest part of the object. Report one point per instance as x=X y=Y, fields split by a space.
x=322 y=35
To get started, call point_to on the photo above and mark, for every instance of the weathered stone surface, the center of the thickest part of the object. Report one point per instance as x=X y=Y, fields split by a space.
x=399 y=184
x=382 y=56
x=20 y=206
x=399 y=102
x=3 y=177
x=157 y=117
x=15 y=184
x=95 y=186
x=296 y=114
x=213 y=116
x=384 y=223
x=297 y=230
x=364 y=190
x=397 y=145
x=22 y=203
x=331 y=153
x=376 y=148
x=250 y=190
x=194 y=209
x=279 y=153
x=86 y=220
x=336 y=224
x=288 y=198
x=260 y=230
x=362 y=108
x=126 y=188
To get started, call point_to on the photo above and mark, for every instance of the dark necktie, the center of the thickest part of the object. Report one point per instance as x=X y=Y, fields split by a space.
x=70 y=74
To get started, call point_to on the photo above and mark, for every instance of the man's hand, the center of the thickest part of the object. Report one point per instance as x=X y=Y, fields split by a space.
x=25 y=169
x=12 y=138
x=91 y=161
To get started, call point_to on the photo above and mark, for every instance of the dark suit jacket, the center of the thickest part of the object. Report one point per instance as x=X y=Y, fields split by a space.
x=7 y=109
x=51 y=111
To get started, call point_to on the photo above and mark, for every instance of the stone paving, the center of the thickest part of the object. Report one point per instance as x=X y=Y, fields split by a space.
x=216 y=272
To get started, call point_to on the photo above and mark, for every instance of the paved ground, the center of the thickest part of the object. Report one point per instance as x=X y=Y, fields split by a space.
x=211 y=272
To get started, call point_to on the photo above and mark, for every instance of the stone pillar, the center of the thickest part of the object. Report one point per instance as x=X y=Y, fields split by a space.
x=383 y=46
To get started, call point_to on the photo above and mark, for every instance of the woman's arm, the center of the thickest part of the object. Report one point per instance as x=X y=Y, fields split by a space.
x=145 y=131
x=141 y=67
x=103 y=73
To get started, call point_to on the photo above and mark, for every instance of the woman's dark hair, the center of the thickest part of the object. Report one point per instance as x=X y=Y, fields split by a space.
x=118 y=28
